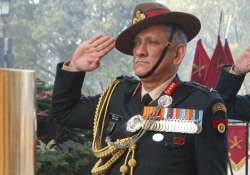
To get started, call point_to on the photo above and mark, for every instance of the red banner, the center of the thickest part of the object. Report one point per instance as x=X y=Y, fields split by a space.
x=237 y=145
x=216 y=64
x=229 y=57
x=200 y=63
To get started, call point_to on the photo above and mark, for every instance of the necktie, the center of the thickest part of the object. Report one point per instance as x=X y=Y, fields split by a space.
x=146 y=99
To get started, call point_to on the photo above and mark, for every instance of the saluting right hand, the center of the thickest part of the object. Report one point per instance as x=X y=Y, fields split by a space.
x=89 y=53
x=242 y=64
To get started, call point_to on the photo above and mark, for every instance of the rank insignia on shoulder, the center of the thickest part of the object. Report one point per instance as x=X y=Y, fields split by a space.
x=219 y=107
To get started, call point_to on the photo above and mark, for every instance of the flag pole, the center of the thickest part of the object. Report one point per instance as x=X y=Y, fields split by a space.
x=237 y=34
x=220 y=21
x=228 y=26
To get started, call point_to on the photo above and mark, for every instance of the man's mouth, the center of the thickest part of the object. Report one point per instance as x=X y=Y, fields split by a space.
x=141 y=62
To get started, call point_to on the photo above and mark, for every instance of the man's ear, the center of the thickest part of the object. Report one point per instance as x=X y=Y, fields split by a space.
x=180 y=53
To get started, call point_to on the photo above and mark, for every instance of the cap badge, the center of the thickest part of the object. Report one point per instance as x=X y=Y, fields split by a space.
x=139 y=15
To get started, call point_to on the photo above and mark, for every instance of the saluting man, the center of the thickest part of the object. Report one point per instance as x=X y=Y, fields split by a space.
x=229 y=84
x=156 y=125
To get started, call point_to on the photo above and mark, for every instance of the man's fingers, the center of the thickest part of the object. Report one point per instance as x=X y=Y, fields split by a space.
x=94 y=38
x=105 y=44
x=87 y=44
x=87 y=51
x=106 y=50
x=100 y=41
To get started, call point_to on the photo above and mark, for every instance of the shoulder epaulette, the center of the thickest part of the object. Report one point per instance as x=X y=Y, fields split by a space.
x=200 y=87
x=127 y=79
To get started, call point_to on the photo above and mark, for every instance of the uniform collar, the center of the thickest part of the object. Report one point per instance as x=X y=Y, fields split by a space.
x=155 y=93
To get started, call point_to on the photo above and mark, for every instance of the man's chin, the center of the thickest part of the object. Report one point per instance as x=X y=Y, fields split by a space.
x=141 y=74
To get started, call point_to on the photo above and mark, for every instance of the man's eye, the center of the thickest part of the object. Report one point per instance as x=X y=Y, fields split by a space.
x=153 y=42
x=136 y=43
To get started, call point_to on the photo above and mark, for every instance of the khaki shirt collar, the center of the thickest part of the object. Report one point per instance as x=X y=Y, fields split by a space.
x=155 y=93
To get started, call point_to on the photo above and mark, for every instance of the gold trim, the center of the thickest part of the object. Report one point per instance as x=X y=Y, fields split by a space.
x=99 y=150
x=237 y=166
x=114 y=150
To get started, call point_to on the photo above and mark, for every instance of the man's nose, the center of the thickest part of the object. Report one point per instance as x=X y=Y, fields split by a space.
x=141 y=50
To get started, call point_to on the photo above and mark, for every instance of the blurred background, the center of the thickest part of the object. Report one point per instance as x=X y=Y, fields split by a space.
x=38 y=34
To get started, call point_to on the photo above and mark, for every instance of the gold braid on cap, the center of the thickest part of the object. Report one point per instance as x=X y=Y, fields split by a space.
x=111 y=152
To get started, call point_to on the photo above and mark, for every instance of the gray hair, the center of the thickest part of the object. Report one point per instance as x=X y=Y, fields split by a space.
x=179 y=36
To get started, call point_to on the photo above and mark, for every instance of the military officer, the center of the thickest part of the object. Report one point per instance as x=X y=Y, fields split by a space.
x=157 y=124
x=229 y=84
